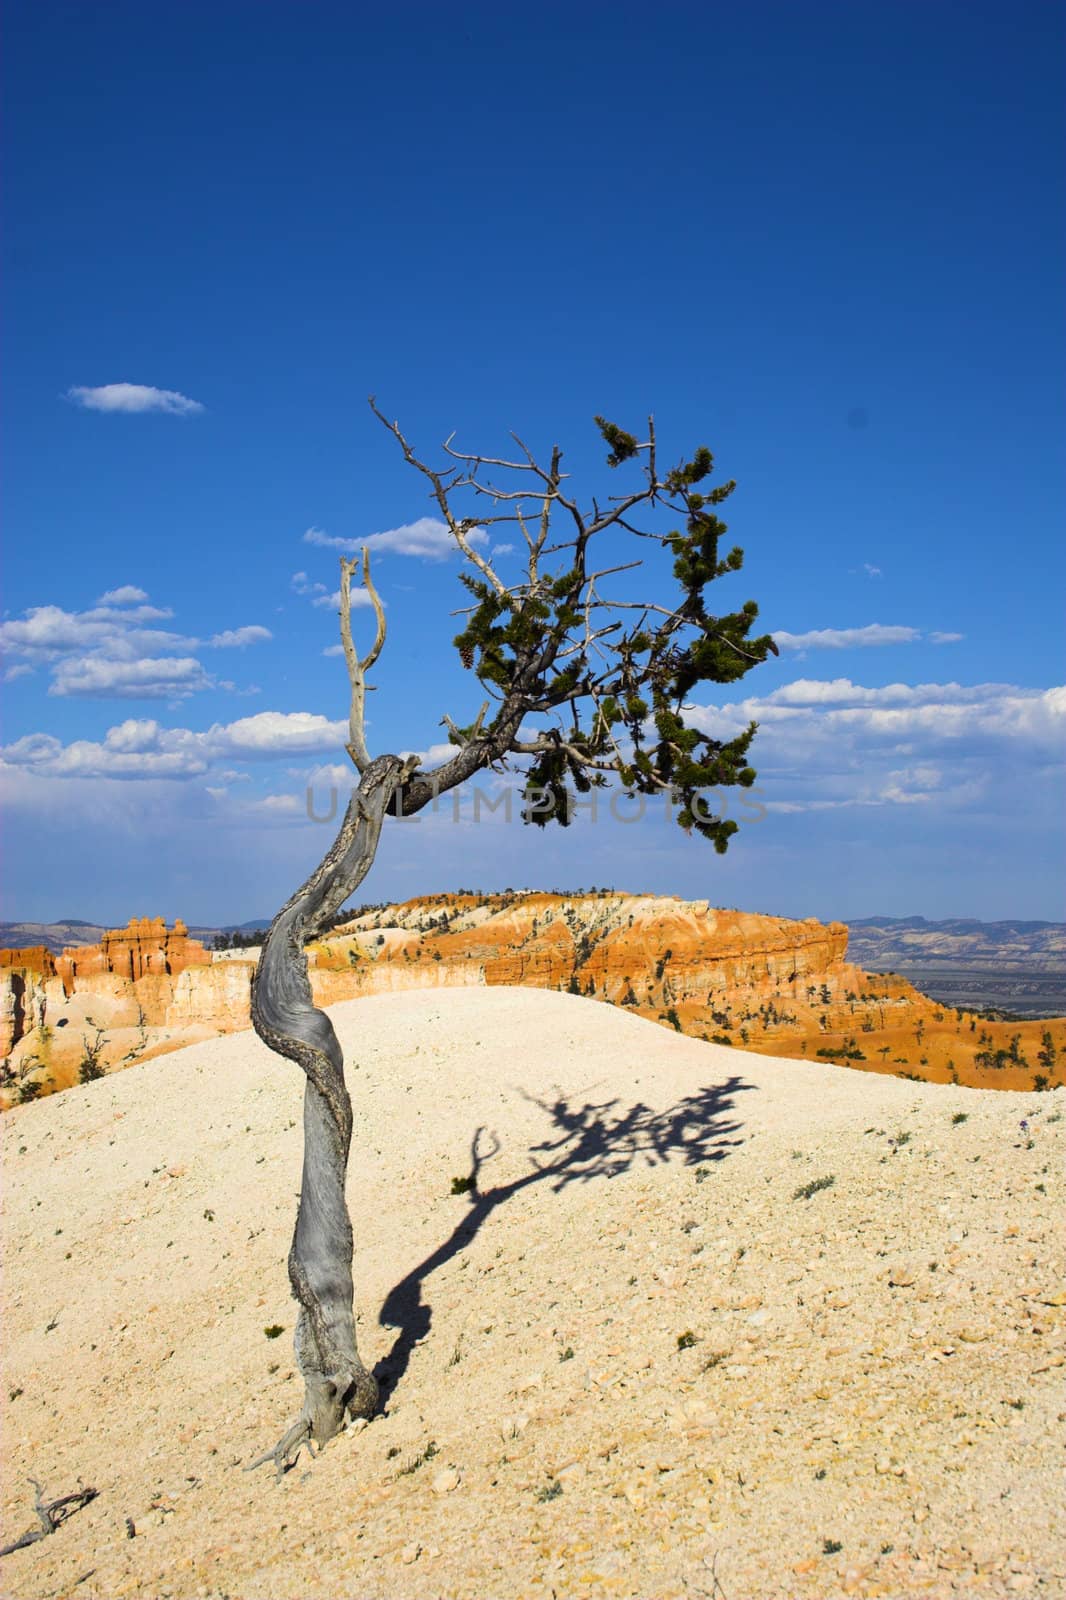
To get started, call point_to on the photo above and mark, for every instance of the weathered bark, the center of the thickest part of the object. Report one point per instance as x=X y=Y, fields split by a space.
x=284 y=1016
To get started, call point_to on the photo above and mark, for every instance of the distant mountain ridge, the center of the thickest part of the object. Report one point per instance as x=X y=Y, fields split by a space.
x=1017 y=966
x=955 y=925
x=864 y=930
x=69 y=932
x=960 y=937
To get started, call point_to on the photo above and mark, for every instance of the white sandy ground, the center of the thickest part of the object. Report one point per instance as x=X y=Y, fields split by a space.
x=878 y=1366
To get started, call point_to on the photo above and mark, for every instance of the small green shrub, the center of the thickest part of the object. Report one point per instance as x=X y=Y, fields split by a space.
x=420 y=1460
x=806 y=1191
x=90 y=1068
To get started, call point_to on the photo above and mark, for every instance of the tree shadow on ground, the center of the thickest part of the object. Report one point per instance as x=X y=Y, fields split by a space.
x=585 y=1142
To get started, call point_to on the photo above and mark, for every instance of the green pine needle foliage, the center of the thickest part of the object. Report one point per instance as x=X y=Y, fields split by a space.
x=630 y=715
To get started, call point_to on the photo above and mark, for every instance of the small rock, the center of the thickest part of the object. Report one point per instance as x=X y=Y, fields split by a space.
x=410 y=1553
x=446 y=1480
x=901 y=1277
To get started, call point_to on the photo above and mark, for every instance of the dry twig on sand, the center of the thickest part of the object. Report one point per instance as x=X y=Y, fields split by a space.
x=51 y=1514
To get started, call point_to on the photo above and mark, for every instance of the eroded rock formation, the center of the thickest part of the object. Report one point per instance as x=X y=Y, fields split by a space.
x=146 y=948
x=142 y=990
x=769 y=984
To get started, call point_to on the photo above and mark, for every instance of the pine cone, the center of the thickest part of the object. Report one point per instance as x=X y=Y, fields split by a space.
x=466 y=655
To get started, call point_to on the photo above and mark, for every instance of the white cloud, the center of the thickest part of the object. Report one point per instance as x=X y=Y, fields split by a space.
x=271 y=733
x=113 y=649
x=126 y=615
x=842 y=692
x=283 y=805
x=233 y=688
x=871 y=572
x=19 y=670
x=333 y=650
x=875 y=633
x=435 y=756
x=428 y=538
x=359 y=597
x=237 y=638
x=844 y=638
x=823 y=745
x=133 y=734
x=133 y=397
x=503 y=549
x=141 y=748
x=897 y=711
x=302 y=584
x=154 y=678
x=335 y=774
x=46 y=632
x=46 y=756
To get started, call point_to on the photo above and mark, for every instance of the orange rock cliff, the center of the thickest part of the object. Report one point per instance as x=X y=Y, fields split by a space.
x=147 y=947
x=762 y=983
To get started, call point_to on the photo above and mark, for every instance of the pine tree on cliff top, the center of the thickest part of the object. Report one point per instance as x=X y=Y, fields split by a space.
x=582 y=686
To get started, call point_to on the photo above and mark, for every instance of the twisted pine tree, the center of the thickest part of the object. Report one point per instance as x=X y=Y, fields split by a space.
x=582 y=687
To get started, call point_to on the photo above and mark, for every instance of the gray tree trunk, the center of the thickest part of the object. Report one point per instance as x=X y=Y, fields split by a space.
x=284 y=1016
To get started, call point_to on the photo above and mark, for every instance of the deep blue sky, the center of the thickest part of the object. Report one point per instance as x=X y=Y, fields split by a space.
x=826 y=240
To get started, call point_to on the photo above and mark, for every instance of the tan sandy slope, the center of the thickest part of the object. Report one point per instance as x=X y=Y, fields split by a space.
x=630 y=1362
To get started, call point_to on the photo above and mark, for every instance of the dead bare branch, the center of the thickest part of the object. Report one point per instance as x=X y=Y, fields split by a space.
x=459 y=529
x=51 y=1515
x=356 y=746
x=375 y=650
x=460 y=738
